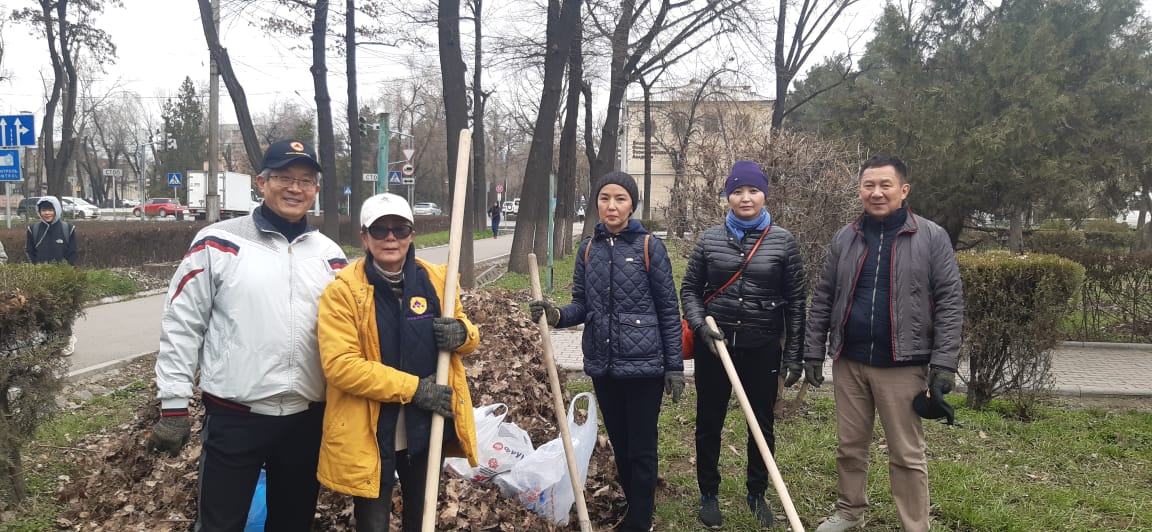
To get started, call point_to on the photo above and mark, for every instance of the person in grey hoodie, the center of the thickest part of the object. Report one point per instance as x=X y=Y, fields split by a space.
x=51 y=239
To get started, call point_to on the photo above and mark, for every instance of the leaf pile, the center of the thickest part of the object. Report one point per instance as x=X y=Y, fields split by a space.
x=121 y=486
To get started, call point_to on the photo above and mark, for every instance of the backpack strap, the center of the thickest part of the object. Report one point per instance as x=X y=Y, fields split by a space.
x=647 y=263
x=586 y=249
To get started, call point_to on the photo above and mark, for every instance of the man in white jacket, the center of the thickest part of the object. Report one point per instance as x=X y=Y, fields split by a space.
x=242 y=309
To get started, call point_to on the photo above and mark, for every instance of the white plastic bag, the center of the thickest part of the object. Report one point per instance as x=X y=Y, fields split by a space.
x=499 y=446
x=541 y=481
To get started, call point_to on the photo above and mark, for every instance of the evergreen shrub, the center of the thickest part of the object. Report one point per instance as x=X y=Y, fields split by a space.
x=38 y=305
x=1013 y=308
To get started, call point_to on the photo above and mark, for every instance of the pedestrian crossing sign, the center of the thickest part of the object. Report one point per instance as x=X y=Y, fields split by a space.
x=174 y=179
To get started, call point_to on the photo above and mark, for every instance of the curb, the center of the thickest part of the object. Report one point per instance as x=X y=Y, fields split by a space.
x=73 y=376
x=127 y=297
x=1147 y=348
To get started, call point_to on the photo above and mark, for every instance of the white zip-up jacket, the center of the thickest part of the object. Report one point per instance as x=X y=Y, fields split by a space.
x=242 y=308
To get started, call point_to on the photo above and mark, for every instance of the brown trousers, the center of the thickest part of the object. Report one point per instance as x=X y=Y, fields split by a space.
x=862 y=391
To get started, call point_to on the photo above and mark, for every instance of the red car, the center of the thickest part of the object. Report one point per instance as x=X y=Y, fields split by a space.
x=160 y=207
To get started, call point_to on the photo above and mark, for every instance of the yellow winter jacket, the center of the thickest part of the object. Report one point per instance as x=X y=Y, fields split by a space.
x=358 y=383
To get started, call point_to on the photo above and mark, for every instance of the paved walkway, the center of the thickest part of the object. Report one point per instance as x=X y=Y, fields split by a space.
x=1080 y=368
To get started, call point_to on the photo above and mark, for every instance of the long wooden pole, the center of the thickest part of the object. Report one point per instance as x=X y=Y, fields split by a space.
x=558 y=401
x=448 y=309
x=757 y=434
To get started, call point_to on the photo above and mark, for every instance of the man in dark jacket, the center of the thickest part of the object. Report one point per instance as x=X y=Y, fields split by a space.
x=889 y=309
x=51 y=239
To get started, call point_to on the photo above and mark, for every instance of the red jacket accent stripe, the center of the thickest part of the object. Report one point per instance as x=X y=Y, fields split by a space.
x=184 y=280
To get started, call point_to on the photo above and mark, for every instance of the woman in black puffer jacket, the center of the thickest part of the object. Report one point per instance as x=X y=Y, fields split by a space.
x=754 y=312
x=623 y=293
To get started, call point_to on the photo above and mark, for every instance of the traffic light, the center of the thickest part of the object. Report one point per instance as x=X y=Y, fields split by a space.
x=169 y=141
x=363 y=127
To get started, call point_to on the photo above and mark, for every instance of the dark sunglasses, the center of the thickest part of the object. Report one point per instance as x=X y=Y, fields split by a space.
x=380 y=232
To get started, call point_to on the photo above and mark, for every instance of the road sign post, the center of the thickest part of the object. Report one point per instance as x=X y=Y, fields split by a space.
x=372 y=177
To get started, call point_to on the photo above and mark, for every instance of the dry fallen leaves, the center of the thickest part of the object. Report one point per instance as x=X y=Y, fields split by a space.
x=120 y=486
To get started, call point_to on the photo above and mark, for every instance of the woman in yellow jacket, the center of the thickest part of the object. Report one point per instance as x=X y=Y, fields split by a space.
x=380 y=333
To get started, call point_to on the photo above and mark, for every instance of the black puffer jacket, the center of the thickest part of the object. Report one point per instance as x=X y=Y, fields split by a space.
x=765 y=303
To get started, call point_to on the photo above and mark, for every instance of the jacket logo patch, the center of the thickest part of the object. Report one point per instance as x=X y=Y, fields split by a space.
x=418 y=305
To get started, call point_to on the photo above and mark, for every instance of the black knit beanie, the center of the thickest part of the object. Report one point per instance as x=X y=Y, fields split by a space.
x=619 y=178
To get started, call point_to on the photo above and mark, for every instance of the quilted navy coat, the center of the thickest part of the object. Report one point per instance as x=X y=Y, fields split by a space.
x=627 y=305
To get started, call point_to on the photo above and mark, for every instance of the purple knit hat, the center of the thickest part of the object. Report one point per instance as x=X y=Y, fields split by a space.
x=746 y=173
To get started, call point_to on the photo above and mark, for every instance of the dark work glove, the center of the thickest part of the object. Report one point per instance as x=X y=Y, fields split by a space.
x=436 y=398
x=169 y=435
x=674 y=384
x=792 y=373
x=450 y=333
x=945 y=379
x=709 y=336
x=540 y=307
x=814 y=372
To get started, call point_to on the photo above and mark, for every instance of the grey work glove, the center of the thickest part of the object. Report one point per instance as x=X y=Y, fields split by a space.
x=709 y=336
x=450 y=333
x=541 y=307
x=944 y=378
x=169 y=435
x=674 y=384
x=436 y=398
x=814 y=372
x=792 y=373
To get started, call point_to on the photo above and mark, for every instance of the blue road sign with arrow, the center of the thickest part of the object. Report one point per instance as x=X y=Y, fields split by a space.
x=17 y=130
x=174 y=179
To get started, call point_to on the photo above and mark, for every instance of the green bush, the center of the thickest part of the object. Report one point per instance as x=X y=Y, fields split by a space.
x=38 y=305
x=1013 y=307
x=1109 y=240
x=1055 y=241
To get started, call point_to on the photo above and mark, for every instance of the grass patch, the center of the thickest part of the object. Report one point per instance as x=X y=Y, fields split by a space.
x=440 y=238
x=1073 y=469
x=104 y=283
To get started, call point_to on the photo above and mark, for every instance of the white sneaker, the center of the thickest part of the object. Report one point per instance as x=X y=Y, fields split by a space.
x=70 y=348
x=836 y=523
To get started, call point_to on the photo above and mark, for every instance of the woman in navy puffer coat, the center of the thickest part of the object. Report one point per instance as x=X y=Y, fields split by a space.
x=623 y=293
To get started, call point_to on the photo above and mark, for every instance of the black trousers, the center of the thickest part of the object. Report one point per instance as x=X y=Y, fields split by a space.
x=235 y=447
x=374 y=515
x=758 y=369
x=631 y=411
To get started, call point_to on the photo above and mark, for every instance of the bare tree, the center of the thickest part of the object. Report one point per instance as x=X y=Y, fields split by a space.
x=532 y=219
x=668 y=31
x=566 y=167
x=455 y=114
x=813 y=21
x=67 y=38
x=232 y=82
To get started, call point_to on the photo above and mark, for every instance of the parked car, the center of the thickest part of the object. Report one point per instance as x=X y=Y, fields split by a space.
x=129 y=202
x=160 y=207
x=27 y=207
x=426 y=208
x=79 y=208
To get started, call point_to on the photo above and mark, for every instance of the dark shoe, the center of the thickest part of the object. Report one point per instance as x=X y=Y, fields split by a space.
x=759 y=507
x=710 y=512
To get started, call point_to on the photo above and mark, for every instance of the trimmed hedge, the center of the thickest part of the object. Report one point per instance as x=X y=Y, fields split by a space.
x=1013 y=308
x=38 y=305
x=1116 y=304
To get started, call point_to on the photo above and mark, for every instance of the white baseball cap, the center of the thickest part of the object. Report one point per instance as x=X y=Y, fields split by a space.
x=385 y=204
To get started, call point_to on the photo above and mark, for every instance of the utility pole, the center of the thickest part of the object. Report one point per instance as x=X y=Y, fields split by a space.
x=382 y=155
x=211 y=192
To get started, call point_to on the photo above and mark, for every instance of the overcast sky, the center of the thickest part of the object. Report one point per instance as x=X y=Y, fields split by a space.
x=159 y=42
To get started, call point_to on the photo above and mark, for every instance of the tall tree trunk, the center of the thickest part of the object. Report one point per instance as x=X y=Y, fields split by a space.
x=532 y=221
x=64 y=87
x=647 y=88
x=235 y=90
x=606 y=156
x=355 y=141
x=480 y=200
x=566 y=171
x=1016 y=232
x=455 y=118
x=330 y=185
x=779 y=61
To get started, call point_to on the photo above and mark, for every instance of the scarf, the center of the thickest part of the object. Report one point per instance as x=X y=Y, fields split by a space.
x=739 y=227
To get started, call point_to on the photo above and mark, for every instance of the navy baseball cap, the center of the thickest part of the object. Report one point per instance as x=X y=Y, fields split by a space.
x=285 y=152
